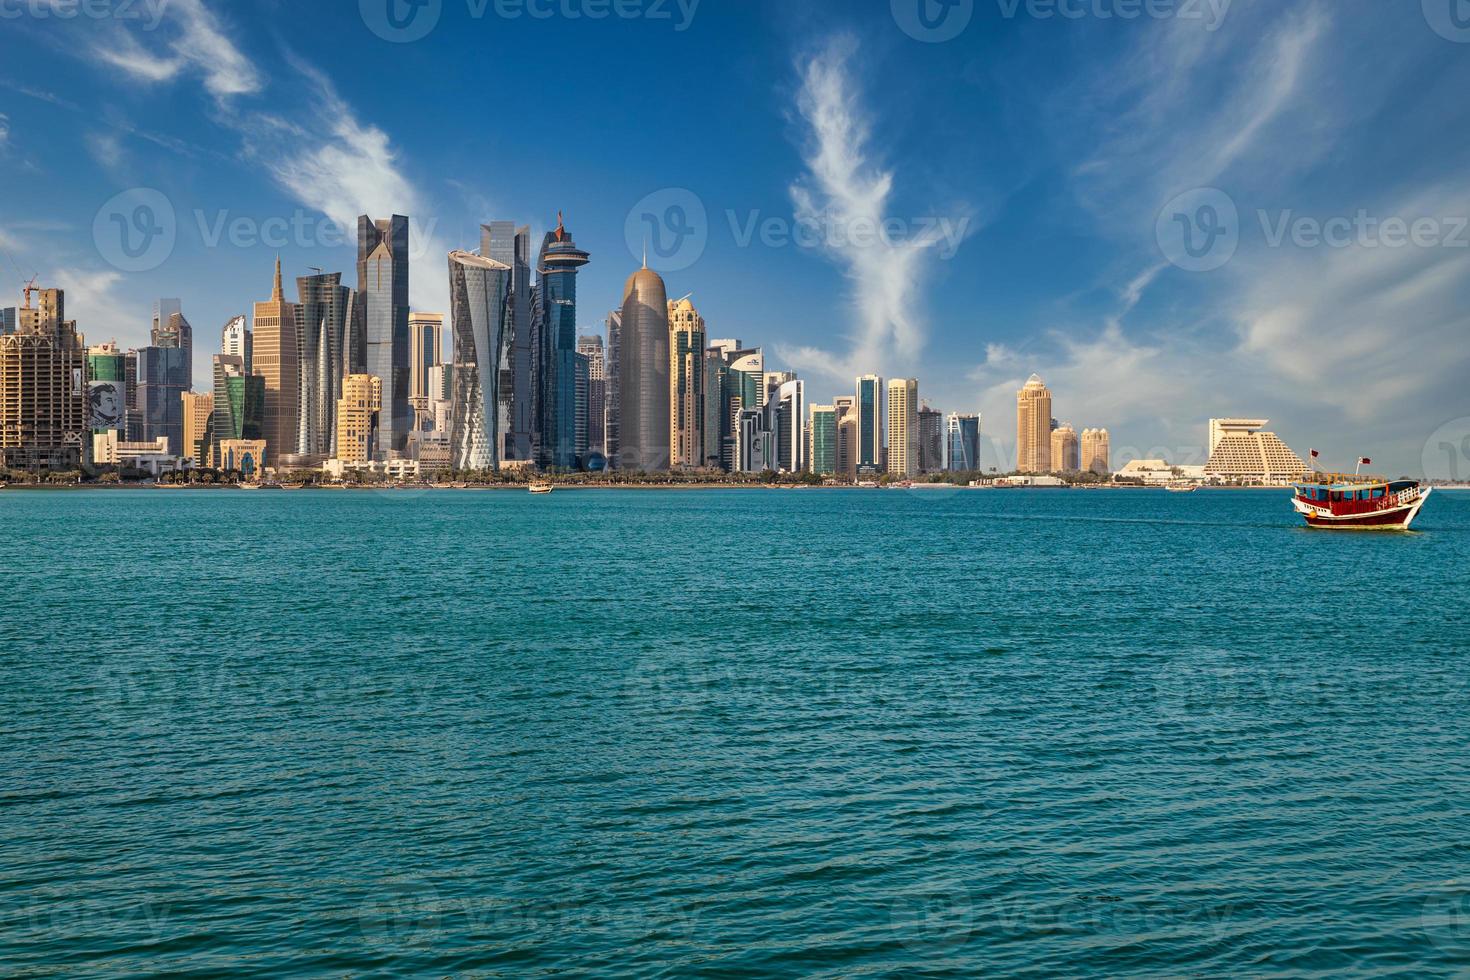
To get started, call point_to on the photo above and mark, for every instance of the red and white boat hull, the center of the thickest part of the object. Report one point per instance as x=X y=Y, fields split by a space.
x=1396 y=514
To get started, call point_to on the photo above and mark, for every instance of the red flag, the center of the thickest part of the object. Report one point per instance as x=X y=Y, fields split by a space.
x=1365 y=461
x=1315 y=454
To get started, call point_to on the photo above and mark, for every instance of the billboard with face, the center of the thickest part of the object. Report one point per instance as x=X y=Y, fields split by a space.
x=106 y=405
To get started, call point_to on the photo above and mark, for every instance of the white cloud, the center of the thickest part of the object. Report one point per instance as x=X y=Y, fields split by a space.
x=843 y=191
x=199 y=45
x=4 y=128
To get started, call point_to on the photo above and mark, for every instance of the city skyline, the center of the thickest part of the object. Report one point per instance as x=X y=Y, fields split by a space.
x=1059 y=271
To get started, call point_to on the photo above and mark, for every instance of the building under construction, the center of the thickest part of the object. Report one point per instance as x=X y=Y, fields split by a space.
x=43 y=395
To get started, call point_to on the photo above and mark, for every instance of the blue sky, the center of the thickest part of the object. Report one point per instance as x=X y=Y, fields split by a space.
x=1038 y=165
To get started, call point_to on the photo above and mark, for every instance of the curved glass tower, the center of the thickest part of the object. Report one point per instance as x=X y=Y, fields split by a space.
x=643 y=374
x=479 y=289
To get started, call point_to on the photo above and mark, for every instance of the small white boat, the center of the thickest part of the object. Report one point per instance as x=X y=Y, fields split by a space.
x=542 y=488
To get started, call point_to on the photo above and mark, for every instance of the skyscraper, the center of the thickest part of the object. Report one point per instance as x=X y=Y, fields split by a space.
x=358 y=418
x=1033 y=427
x=931 y=440
x=198 y=422
x=554 y=351
x=321 y=324
x=643 y=374
x=903 y=428
x=236 y=341
x=159 y=396
x=846 y=409
x=171 y=330
x=479 y=290
x=239 y=406
x=425 y=350
x=824 y=440
x=590 y=347
x=503 y=242
x=786 y=419
x=686 y=380
x=869 y=422
x=43 y=395
x=382 y=288
x=612 y=437
x=1065 y=452
x=7 y=320
x=276 y=359
x=964 y=443
x=1096 y=456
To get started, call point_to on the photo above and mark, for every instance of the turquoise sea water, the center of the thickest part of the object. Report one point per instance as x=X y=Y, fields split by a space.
x=730 y=733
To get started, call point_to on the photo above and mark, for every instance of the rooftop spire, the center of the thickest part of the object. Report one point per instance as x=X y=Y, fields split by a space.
x=645 y=251
x=277 y=293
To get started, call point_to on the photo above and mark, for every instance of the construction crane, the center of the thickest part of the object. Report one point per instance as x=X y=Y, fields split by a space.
x=30 y=287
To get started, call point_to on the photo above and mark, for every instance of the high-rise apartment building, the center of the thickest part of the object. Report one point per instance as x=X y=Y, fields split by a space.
x=239 y=408
x=1241 y=450
x=198 y=423
x=358 y=414
x=322 y=333
x=686 y=380
x=1096 y=453
x=1033 y=427
x=869 y=423
x=504 y=242
x=931 y=440
x=558 y=370
x=846 y=408
x=643 y=374
x=43 y=396
x=235 y=341
x=903 y=428
x=590 y=347
x=612 y=436
x=1066 y=454
x=964 y=443
x=425 y=350
x=824 y=440
x=478 y=289
x=382 y=298
x=277 y=359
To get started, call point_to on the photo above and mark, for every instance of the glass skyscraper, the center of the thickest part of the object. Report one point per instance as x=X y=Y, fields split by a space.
x=479 y=290
x=870 y=422
x=555 y=357
x=163 y=377
x=503 y=242
x=964 y=443
x=382 y=287
x=239 y=403
x=321 y=333
x=824 y=440
x=171 y=329
x=643 y=374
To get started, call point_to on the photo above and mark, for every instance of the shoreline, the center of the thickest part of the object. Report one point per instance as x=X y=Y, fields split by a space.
x=573 y=487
